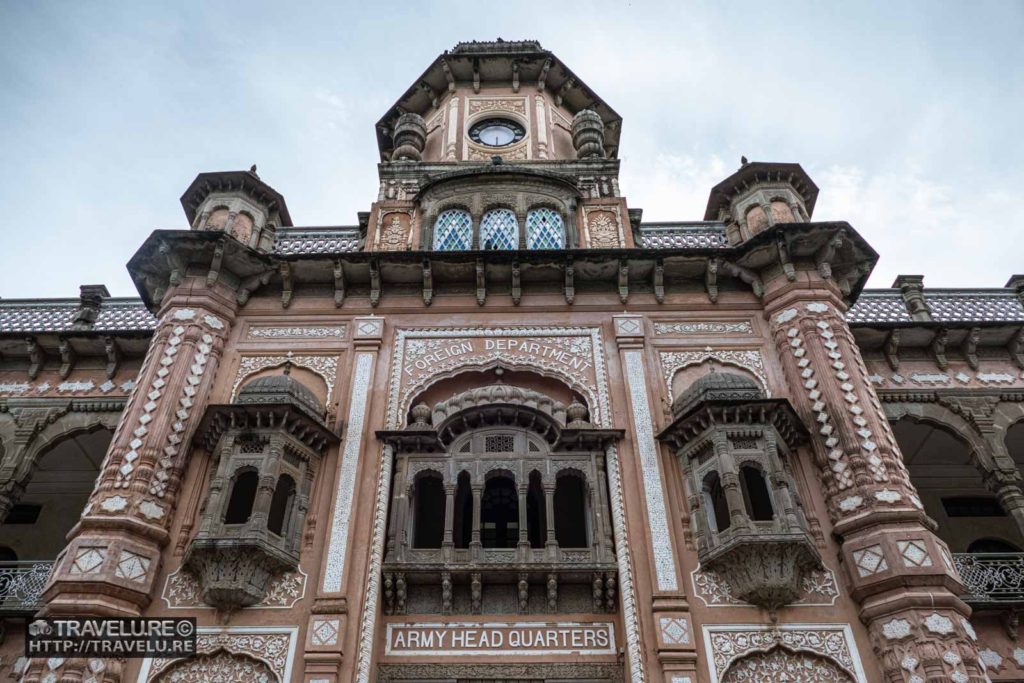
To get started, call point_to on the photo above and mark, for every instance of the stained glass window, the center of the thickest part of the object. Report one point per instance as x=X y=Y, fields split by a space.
x=499 y=230
x=544 y=230
x=453 y=231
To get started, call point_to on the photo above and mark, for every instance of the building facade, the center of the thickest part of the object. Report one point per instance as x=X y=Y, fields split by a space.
x=503 y=429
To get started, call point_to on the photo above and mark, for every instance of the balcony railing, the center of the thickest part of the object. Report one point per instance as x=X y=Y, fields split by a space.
x=21 y=585
x=992 y=578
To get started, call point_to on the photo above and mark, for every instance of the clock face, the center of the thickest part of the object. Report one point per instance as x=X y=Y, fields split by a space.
x=496 y=132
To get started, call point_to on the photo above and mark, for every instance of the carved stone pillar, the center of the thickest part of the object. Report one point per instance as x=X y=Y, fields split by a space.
x=901 y=574
x=474 y=541
x=448 y=542
x=549 y=506
x=524 y=538
x=1006 y=485
x=112 y=560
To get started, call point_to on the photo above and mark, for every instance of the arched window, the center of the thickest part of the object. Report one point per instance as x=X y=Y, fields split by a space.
x=429 y=514
x=715 y=506
x=7 y=554
x=756 y=498
x=499 y=230
x=462 y=523
x=570 y=512
x=536 y=512
x=499 y=513
x=281 y=505
x=544 y=229
x=243 y=495
x=453 y=231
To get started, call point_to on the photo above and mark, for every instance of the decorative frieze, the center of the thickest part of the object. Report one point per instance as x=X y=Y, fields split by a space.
x=703 y=328
x=297 y=332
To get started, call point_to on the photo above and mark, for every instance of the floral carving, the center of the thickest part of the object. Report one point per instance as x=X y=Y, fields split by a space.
x=604 y=232
x=268 y=653
x=730 y=644
x=818 y=588
x=781 y=665
x=674 y=361
x=181 y=591
x=324 y=366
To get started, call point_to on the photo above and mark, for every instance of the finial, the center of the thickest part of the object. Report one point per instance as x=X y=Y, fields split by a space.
x=499 y=372
x=252 y=169
x=288 y=367
x=743 y=161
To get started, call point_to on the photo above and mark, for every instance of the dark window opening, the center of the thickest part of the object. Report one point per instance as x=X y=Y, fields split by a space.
x=7 y=554
x=570 y=512
x=755 y=494
x=23 y=513
x=243 y=495
x=499 y=514
x=462 y=524
x=429 y=513
x=992 y=545
x=536 y=512
x=715 y=506
x=281 y=505
x=973 y=506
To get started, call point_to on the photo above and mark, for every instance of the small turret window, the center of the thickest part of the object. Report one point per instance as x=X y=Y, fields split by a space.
x=453 y=231
x=499 y=230
x=544 y=230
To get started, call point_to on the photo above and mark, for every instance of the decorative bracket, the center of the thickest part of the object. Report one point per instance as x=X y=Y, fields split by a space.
x=286 y=284
x=476 y=76
x=339 y=284
x=711 y=279
x=823 y=259
x=746 y=275
x=428 y=283
x=784 y=259
x=623 y=280
x=659 y=281
x=517 y=289
x=251 y=284
x=515 y=77
x=938 y=348
x=36 y=356
x=374 y=282
x=215 y=264
x=567 y=85
x=481 y=282
x=174 y=264
x=970 y=347
x=542 y=79
x=892 y=350
x=67 y=358
x=113 y=356
x=1017 y=348
x=448 y=75
x=570 y=288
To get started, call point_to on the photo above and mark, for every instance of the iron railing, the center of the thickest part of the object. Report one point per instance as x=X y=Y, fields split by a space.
x=21 y=585
x=992 y=578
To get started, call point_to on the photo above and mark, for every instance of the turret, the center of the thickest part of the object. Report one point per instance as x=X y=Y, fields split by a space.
x=238 y=203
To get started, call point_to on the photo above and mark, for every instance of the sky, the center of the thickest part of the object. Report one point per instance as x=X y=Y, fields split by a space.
x=908 y=115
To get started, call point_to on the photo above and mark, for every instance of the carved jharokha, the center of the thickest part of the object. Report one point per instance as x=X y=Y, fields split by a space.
x=732 y=443
x=266 y=451
x=901 y=574
x=500 y=487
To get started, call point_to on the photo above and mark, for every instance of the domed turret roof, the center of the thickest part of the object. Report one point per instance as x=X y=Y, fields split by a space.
x=281 y=389
x=717 y=386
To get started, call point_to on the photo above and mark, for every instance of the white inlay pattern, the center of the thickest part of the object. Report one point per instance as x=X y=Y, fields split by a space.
x=338 y=544
x=664 y=562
